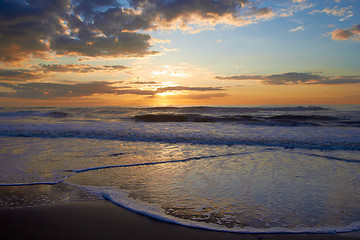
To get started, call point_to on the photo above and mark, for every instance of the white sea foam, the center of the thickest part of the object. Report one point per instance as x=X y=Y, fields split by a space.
x=121 y=199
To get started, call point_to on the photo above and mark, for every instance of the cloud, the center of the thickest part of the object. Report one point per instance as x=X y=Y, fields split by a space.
x=300 y=28
x=123 y=44
x=343 y=12
x=298 y=6
x=20 y=75
x=79 y=68
x=62 y=90
x=56 y=90
x=292 y=78
x=45 y=70
x=169 y=49
x=146 y=82
x=108 y=28
x=25 y=27
x=345 y=34
x=38 y=28
x=187 y=14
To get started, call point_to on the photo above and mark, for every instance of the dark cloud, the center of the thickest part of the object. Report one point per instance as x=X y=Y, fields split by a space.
x=240 y=77
x=34 y=28
x=341 y=80
x=345 y=34
x=89 y=8
x=169 y=11
x=45 y=70
x=20 y=75
x=154 y=14
x=185 y=14
x=61 y=90
x=27 y=26
x=79 y=68
x=123 y=45
x=105 y=28
x=291 y=78
x=56 y=90
x=116 y=20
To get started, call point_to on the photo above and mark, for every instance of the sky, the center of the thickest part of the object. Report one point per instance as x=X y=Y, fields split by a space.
x=172 y=52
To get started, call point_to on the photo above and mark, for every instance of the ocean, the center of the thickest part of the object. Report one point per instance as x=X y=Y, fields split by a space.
x=246 y=169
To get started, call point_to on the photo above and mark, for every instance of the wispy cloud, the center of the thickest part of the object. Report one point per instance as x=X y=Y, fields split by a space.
x=299 y=28
x=291 y=9
x=291 y=78
x=343 y=12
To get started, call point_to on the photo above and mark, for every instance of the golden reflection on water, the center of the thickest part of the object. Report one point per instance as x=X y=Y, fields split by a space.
x=261 y=188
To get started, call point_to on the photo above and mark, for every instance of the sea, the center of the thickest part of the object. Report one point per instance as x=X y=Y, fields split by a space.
x=242 y=169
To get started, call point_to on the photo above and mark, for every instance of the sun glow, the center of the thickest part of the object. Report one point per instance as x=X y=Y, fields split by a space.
x=168 y=93
x=180 y=74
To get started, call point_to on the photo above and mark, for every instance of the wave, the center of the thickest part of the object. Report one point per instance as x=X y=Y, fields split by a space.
x=21 y=114
x=120 y=110
x=57 y=114
x=277 y=120
x=196 y=133
x=240 y=109
x=274 y=115
x=303 y=117
x=120 y=197
x=52 y=114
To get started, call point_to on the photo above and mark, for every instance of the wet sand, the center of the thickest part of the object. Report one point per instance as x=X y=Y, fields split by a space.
x=103 y=220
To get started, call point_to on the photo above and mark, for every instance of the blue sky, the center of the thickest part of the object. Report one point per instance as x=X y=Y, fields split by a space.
x=158 y=52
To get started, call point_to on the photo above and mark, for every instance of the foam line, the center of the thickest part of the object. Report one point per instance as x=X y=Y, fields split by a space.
x=34 y=183
x=117 y=166
x=330 y=157
x=335 y=158
x=155 y=163
x=355 y=226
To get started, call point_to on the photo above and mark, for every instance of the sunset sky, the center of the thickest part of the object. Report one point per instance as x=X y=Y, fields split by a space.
x=171 y=52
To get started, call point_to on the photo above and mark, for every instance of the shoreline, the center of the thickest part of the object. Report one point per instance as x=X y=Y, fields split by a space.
x=101 y=219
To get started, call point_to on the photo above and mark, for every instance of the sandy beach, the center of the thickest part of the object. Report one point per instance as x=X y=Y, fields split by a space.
x=103 y=220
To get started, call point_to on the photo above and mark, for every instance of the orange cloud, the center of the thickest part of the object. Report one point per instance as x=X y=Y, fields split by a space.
x=345 y=34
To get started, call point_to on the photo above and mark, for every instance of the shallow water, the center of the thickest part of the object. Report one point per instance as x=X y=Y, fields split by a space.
x=215 y=175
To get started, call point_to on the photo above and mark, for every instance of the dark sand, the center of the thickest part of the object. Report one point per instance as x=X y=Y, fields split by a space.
x=103 y=220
